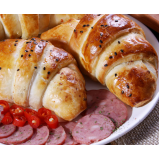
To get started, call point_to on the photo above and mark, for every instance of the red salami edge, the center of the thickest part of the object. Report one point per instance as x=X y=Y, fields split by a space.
x=92 y=128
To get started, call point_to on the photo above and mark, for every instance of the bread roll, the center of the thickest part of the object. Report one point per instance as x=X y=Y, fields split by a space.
x=30 y=25
x=34 y=73
x=113 y=50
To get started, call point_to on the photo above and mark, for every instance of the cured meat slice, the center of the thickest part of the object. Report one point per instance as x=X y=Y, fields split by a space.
x=56 y=136
x=21 y=135
x=92 y=128
x=96 y=95
x=68 y=127
x=112 y=108
x=39 y=137
x=7 y=130
x=1 y=115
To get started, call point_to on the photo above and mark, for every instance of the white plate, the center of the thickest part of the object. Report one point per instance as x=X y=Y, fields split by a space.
x=136 y=115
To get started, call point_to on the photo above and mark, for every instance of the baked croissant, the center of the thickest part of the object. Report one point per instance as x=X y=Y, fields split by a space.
x=29 y=25
x=35 y=73
x=113 y=50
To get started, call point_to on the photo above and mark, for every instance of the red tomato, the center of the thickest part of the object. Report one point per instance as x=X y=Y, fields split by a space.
x=5 y=106
x=7 y=119
x=34 y=121
x=52 y=121
x=19 y=121
x=43 y=112
x=16 y=110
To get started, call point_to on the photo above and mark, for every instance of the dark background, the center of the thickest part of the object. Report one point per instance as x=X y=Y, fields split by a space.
x=155 y=33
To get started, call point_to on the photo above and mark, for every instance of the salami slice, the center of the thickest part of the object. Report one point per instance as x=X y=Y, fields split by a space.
x=68 y=127
x=39 y=137
x=21 y=135
x=7 y=130
x=56 y=136
x=1 y=115
x=96 y=95
x=112 y=108
x=92 y=128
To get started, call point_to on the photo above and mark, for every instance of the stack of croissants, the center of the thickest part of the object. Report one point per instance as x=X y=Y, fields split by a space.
x=41 y=56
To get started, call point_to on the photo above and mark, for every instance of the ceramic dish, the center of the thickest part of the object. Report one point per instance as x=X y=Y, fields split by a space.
x=136 y=115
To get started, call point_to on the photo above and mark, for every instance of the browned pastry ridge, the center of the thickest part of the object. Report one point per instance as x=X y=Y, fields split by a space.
x=35 y=73
x=113 y=50
x=30 y=25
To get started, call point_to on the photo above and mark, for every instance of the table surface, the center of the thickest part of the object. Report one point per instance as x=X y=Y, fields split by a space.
x=147 y=132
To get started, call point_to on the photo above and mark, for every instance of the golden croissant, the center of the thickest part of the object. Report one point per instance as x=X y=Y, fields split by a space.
x=113 y=50
x=30 y=25
x=35 y=73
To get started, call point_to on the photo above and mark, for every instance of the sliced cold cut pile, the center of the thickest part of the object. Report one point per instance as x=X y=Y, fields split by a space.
x=1 y=115
x=112 y=108
x=39 y=137
x=21 y=135
x=7 y=130
x=68 y=127
x=96 y=95
x=56 y=136
x=92 y=128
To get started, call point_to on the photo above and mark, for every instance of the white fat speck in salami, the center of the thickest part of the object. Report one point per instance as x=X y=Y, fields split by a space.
x=112 y=108
x=96 y=95
x=39 y=137
x=56 y=136
x=92 y=128
x=7 y=130
x=1 y=115
x=21 y=135
x=68 y=127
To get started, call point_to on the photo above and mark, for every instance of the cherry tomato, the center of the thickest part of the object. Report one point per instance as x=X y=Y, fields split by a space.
x=43 y=112
x=28 y=112
x=52 y=121
x=34 y=121
x=16 y=110
x=5 y=106
x=19 y=121
x=7 y=119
